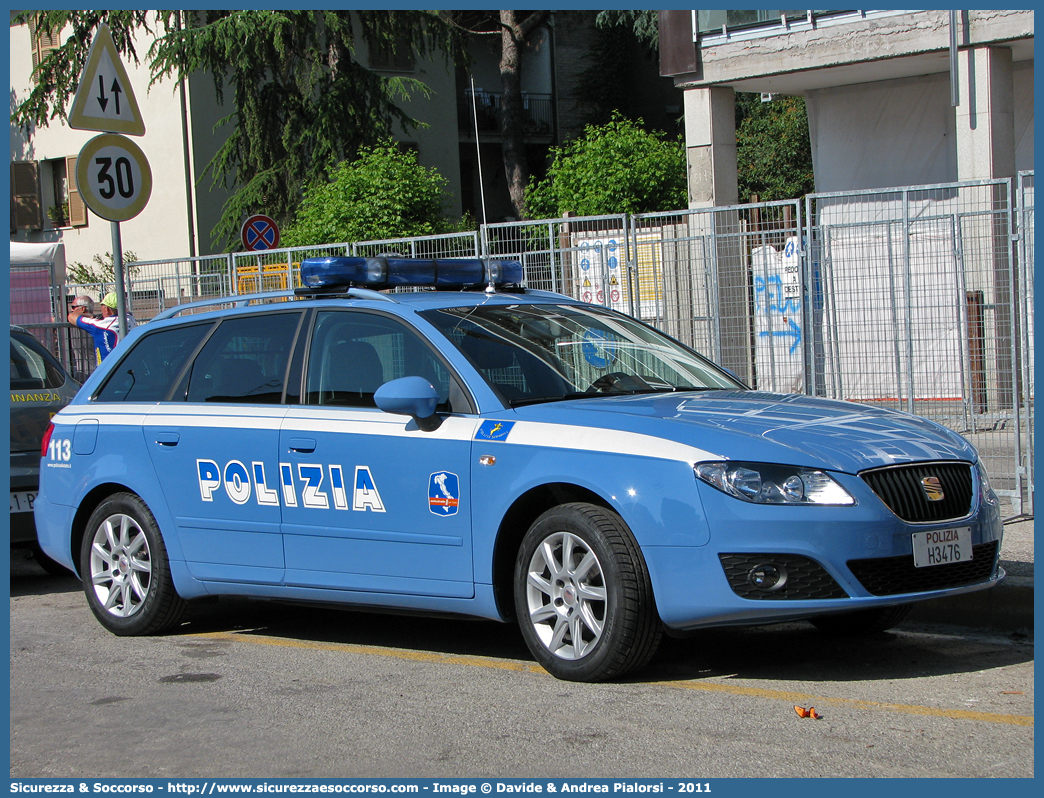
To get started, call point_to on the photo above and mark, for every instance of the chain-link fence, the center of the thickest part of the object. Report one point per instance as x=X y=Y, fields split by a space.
x=918 y=298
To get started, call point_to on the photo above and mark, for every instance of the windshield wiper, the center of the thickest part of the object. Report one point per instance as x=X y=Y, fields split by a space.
x=688 y=389
x=563 y=398
x=600 y=394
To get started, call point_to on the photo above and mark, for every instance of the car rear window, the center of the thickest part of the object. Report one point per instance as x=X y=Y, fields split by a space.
x=148 y=372
x=32 y=366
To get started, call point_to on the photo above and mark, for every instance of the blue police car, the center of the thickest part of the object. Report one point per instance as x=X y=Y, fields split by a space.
x=484 y=449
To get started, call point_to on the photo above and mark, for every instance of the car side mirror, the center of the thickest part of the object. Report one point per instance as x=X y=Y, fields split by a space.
x=410 y=396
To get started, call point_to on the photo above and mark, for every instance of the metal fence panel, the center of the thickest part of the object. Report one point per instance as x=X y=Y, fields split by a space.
x=453 y=245
x=73 y=347
x=154 y=286
x=275 y=269
x=1026 y=270
x=584 y=257
x=728 y=282
x=914 y=310
x=280 y=269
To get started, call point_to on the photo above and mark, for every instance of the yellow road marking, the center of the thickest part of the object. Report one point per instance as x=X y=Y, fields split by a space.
x=711 y=687
x=802 y=698
x=380 y=651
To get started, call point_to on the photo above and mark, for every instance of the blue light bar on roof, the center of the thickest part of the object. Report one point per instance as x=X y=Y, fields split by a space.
x=383 y=272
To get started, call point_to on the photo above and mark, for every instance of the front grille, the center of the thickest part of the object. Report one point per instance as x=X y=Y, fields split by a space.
x=888 y=576
x=804 y=578
x=900 y=487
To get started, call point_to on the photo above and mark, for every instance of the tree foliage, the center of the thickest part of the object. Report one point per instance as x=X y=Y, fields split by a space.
x=613 y=168
x=644 y=24
x=384 y=193
x=299 y=98
x=101 y=271
x=773 y=151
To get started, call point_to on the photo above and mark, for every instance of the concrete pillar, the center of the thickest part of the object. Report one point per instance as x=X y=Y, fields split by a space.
x=986 y=115
x=710 y=146
x=986 y=151
x=710 y=150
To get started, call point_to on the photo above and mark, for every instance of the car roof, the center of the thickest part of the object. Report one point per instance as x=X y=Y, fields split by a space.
x=396 y=302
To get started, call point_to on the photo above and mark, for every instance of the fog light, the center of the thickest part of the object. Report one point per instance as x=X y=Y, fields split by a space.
x=767 y=576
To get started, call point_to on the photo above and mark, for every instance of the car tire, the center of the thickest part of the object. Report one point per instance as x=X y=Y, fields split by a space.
x=125 y=571
x=862 y=622
x=583 y=596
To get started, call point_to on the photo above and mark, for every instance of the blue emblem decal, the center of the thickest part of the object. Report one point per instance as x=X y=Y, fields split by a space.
x=599 y=348
x=443 y=493
x=494 y=430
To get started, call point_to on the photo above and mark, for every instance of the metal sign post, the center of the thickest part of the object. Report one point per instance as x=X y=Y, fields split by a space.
x=112 y=173
x=117 y=265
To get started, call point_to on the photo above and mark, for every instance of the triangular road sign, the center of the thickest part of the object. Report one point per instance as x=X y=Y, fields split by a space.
x=105 y=101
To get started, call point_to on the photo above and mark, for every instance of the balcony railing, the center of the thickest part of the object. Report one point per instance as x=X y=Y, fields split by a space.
x=537 y=115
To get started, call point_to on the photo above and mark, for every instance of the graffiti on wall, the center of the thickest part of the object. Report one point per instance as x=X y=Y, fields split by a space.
x=777 y=316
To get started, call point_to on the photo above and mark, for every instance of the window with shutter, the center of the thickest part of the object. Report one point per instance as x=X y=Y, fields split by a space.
x=43 y=42
x=77 y=208
x=393 y=59
x=26 y=211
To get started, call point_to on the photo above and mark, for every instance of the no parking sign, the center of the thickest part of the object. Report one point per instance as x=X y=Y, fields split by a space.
x=259 y=233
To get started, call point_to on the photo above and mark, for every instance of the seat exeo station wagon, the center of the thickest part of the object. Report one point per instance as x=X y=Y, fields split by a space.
x=484 y=449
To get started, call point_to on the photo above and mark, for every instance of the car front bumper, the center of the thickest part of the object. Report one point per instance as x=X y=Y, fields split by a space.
x=831 y=558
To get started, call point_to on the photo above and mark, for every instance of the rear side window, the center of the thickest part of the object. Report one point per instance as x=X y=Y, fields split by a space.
x=148 y=372
x=32 y=366
x=245 y=360
x=354 y=353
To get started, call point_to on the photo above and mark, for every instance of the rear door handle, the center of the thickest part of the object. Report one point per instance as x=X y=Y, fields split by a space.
x=302 y=445
x=167 y=438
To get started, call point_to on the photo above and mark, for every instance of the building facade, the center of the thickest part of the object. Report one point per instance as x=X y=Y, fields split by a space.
x=894 y=98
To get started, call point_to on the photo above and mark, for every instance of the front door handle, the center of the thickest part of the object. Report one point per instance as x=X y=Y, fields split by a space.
x=302 y=445
x=167 y=438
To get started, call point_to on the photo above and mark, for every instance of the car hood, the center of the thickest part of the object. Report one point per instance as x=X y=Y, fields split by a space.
x=767 y=427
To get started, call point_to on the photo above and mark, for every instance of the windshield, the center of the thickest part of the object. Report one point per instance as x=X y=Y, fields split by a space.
x=542 y=353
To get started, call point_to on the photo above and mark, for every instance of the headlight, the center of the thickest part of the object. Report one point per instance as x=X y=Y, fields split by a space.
x=985 y=488
x=763 y=483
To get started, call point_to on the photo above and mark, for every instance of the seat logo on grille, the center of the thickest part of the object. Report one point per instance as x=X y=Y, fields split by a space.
x=933 y=490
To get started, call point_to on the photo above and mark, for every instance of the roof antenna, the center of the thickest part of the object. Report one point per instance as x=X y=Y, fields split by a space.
x=478 y=149
x=491 y=275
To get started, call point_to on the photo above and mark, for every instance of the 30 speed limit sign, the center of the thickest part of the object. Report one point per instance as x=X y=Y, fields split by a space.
x=113 y=177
